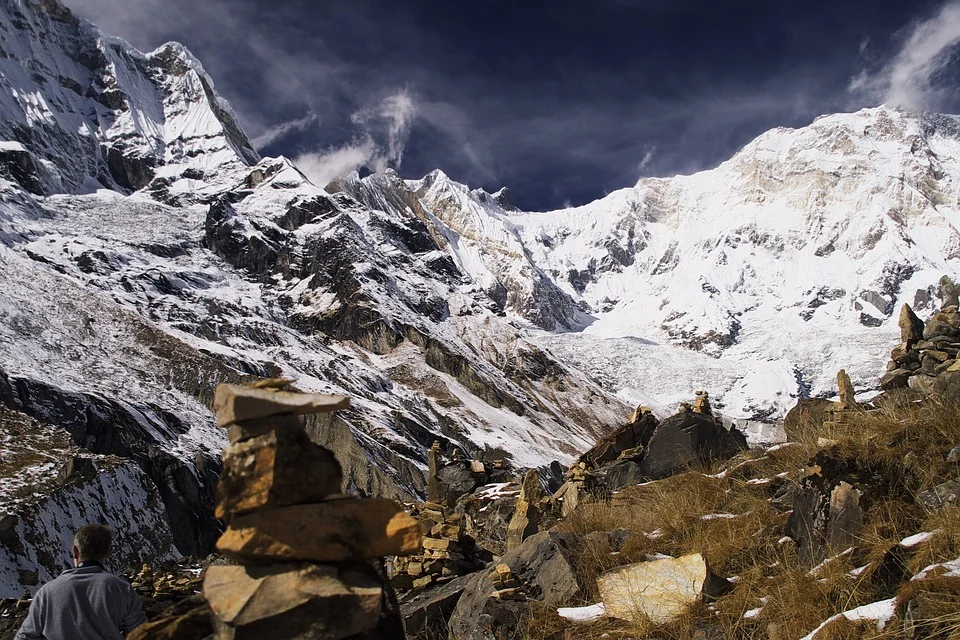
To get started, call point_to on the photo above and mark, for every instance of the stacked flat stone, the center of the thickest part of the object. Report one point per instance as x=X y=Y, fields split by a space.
x=572 y=492
x=305 y=551
x=926 y=350
x=447 y=551
x=506 y=584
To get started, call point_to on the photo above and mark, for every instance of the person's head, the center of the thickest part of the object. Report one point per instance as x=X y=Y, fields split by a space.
x=92 y=542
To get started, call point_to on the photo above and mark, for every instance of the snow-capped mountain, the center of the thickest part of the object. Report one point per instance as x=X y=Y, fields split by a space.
x=772 y=271
x=148 y=253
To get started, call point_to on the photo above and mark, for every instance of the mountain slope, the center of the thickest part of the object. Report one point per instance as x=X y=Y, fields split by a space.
x=778 y=267
x=147 y=254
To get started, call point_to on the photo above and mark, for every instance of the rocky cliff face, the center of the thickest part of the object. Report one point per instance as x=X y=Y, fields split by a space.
x=770 y=272
x=147 y=253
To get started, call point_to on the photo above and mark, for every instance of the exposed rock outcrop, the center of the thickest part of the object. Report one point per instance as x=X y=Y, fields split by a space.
x=544 y=567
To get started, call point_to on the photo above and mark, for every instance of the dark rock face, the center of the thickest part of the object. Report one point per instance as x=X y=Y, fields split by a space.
x=22 y=168
x=425 y=613
x=487 y=519
x=688 y=438
x=457 y=480
x=545 y=562
x=618 y=475
x=107 y=427
x=827 y=506
x=946 y=388
x=629 y=436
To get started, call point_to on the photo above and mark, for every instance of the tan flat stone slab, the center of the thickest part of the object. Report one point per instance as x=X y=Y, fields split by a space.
x=660 y=590
x=291 y=601
x=234 y=403
x=331 y=531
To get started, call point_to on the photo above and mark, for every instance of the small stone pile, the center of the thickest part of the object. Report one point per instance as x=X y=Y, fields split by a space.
x=926 y=350
x=447 y=551
x=578 y=483
x=169 y=581
x=839 y=411
x=507 y=585
x=309 y=555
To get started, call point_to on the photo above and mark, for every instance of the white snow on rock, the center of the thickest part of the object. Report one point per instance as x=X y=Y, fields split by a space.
x=918 y=538
x=589 y=613
x=949 y=569
x=881 y=612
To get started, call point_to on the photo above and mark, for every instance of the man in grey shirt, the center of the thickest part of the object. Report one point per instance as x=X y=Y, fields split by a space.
x=87 y=602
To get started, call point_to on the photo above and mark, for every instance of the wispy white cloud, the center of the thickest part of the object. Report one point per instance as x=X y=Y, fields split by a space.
x=909 y=80
x=385 y=131
x=325 y=166
x=394 y=117
x=274 y=133
x=647 y=159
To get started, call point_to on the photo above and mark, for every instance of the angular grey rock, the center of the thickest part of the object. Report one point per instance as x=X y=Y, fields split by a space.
x=425 y=613
x=942 y=495
x=546 y=562
x=911 y=327
x=688 y=438
x=948 y=292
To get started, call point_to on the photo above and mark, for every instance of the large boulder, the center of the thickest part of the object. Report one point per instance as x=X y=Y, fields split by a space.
x=808 y=413
x=620 y=474
x=487 y=514
x=661 y=590
x=545 y=563
x=634 y=434
x=456 y=480
x=686 y=439
x=946 y=388
x=425 y=613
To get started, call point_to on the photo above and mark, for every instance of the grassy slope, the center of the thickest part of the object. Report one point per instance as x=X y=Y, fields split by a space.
x=893 y=457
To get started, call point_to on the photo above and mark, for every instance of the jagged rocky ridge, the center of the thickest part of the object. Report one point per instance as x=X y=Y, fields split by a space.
x=147 y=253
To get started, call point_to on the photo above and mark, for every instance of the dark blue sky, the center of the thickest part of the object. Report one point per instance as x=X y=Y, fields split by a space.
x=560 y=101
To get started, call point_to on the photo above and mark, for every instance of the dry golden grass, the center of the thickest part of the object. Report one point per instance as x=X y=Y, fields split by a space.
x=892 y=455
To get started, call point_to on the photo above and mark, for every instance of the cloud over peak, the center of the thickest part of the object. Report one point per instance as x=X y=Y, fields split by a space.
x=910 y=78
x=384 y=131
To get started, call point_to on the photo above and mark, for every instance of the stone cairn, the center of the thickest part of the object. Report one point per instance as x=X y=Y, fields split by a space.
x=507 y=585
x=572 y=492
x=309 y=556
x=526 y=515
x=925 y=350
x=447 y=551
x=702 y=403
x=846 y=405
